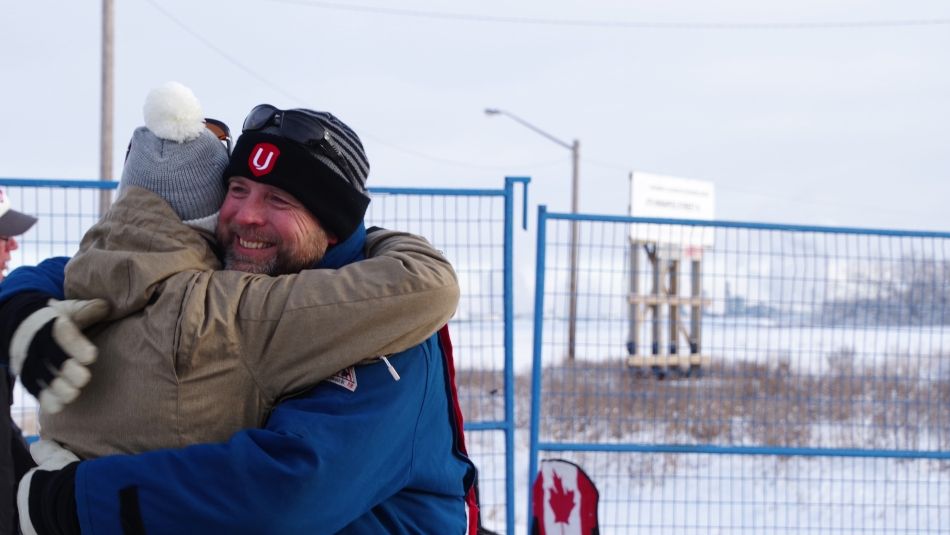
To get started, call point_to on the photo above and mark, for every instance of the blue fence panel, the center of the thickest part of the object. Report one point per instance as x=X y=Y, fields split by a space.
x=473 y=227
x=734 y=377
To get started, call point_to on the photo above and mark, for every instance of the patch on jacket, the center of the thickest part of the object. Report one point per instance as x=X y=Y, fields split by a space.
x=345 y=378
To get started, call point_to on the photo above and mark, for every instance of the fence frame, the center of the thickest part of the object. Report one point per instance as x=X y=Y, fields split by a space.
x=536 y=372
x=506 y=425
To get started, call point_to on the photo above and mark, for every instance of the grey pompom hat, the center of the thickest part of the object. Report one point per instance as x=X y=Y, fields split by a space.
x=176 y=157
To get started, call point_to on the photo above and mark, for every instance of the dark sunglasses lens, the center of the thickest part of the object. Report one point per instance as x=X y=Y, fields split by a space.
x=302 y=128
x=219 y=129
x=309 y=131
x=259 y=117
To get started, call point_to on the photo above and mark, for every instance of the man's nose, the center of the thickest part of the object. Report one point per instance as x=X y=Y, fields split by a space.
x=10 y=244
x=251 y=212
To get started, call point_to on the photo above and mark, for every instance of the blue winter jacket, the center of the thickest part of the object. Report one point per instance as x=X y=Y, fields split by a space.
x=374 y=456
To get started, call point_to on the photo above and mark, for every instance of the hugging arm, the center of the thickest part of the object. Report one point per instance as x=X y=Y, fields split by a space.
x=302 y=473
x=292 y=331
x=295 y=330
x=40 y=335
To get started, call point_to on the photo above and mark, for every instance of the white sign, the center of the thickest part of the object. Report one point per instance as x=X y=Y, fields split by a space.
x=672 y=198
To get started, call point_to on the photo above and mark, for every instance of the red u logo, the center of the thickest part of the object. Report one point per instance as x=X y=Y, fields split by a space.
x=263 y=158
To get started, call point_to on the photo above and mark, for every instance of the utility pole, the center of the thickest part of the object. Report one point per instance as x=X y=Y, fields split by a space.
x=575 y=149
x=572 y=305
x=107 y=92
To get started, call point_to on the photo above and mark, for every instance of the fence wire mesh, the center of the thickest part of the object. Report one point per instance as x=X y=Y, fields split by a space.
x=752 y=378
x=470 y=231
x=469 y=226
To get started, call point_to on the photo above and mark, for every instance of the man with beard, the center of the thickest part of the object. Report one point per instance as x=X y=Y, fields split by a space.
x=377 y=449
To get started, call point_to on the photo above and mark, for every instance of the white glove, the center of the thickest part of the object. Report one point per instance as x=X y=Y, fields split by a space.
x=50 y=456
x=52 y=363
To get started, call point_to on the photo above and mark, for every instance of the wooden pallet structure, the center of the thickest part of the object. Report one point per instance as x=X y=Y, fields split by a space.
x=662 y=305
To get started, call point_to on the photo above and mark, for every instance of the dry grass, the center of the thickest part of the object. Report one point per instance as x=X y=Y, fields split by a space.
x=740 y=403
x=729 y=404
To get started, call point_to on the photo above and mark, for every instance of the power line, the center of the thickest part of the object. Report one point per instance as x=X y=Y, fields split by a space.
x=611 y=165
x=294 y=98
x=219 y=51
x=643 y=25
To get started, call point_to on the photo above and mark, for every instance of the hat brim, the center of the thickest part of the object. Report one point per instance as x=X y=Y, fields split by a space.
x=14 y=223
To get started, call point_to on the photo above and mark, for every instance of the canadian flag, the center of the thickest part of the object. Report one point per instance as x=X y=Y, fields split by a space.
x=564 y=500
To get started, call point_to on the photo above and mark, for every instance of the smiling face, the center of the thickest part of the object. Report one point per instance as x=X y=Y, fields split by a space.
x=263 y=229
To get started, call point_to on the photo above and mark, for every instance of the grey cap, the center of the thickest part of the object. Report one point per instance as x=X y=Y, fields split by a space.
x=175 y=156
x=187 y=174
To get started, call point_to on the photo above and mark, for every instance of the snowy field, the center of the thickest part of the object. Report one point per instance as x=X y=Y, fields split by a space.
x=671 y=493
x=725 y=494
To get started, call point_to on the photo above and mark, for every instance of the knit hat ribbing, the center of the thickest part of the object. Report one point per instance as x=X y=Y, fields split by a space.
x=176 y=157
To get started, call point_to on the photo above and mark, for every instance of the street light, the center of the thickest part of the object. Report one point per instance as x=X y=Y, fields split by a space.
x=575 y=160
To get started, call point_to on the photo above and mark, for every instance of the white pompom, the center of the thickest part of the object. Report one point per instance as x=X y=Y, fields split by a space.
x=173 y=112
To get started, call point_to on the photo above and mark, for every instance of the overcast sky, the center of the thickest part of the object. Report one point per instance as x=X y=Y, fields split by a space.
x=812 y=112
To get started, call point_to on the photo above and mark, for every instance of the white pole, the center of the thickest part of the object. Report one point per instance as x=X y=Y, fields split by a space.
x=107 y=90
x=575 y=188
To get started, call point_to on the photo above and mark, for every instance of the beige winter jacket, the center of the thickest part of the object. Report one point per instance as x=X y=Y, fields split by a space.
x=192 y=354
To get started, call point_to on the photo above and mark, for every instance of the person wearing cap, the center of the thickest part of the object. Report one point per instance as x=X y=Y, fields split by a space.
x=287 y=164
x=12 y=224
x=13 y=451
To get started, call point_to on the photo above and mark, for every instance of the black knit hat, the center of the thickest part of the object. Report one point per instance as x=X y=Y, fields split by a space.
x=311 y=155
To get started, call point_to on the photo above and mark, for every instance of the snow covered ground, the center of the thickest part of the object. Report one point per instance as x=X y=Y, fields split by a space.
x=670 y=493
x=673 y=493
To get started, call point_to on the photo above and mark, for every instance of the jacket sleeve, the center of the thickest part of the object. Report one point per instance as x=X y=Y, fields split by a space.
x=25 y=290
x=323 y=460
x=294 y=331
x=45 y=277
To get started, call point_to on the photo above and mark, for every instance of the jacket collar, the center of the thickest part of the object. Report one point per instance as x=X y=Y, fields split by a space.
x=346 y=252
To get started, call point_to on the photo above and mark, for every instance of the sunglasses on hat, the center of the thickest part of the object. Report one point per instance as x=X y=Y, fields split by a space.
x=220 y=130
x=216 y=127
x=301 y=127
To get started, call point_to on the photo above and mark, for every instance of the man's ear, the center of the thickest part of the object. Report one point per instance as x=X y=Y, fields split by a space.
x=332 y=239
